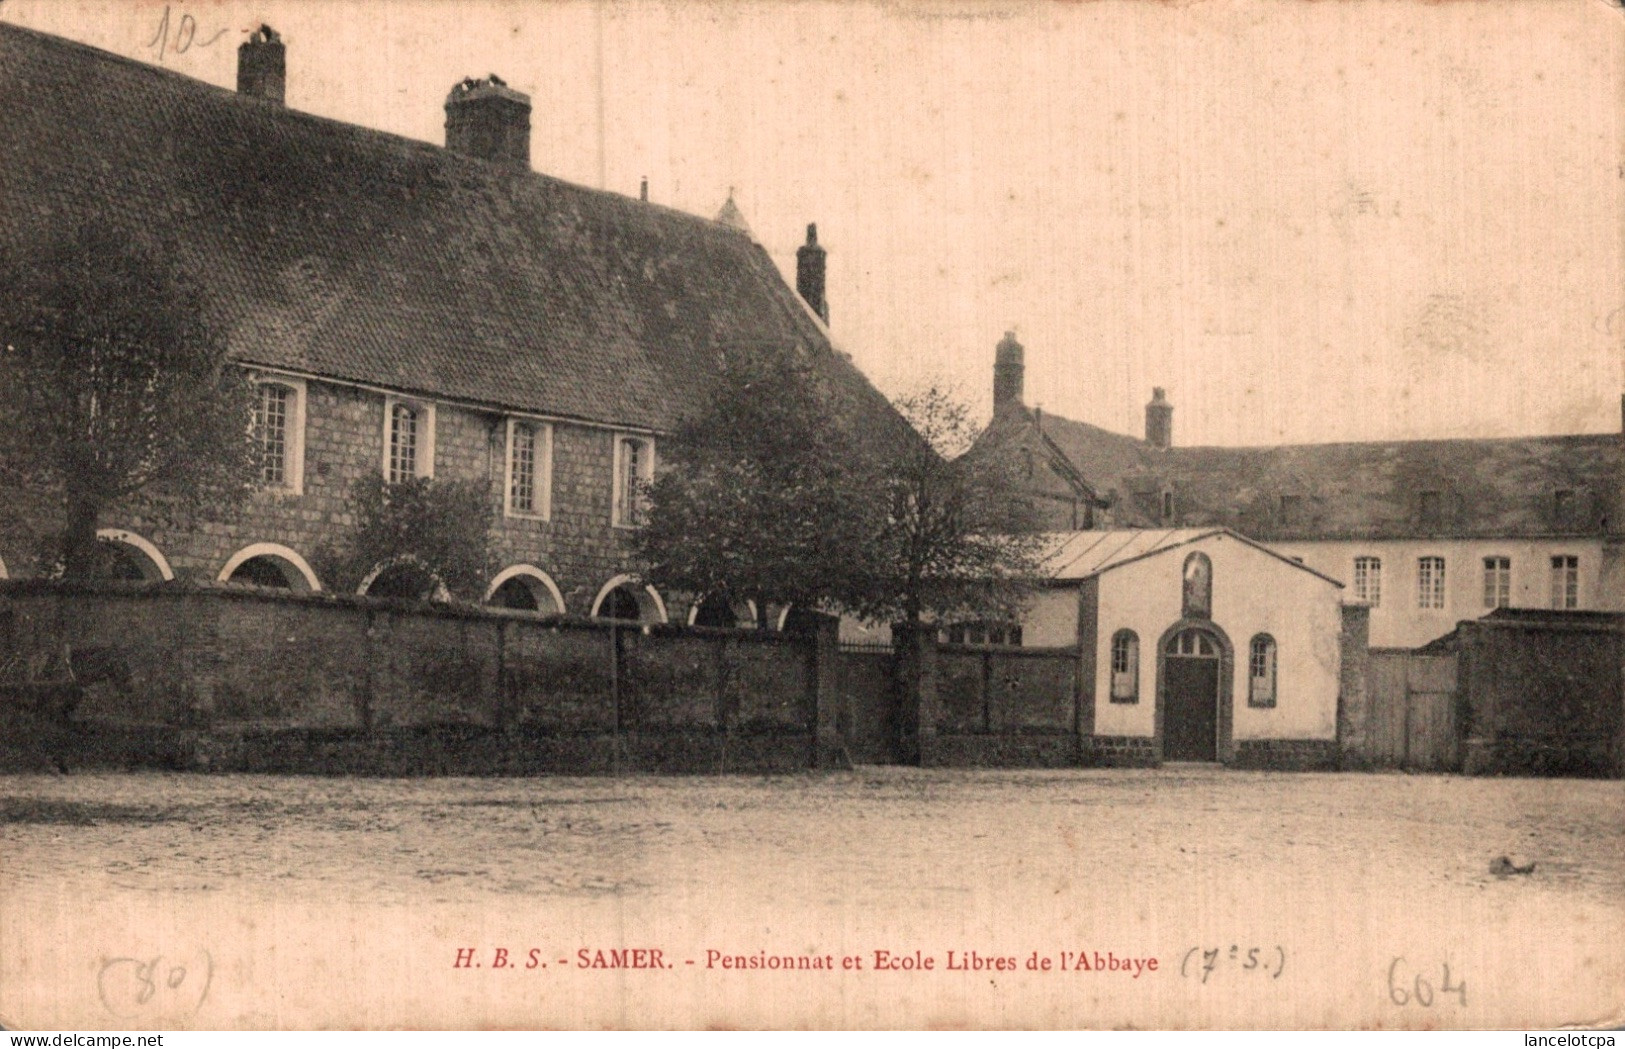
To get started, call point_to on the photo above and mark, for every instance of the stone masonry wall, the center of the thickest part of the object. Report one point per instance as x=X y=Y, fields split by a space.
x=228 y=678
x=344 y=442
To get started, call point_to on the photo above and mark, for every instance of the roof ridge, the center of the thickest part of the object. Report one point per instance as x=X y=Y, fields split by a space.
x=1176 y=449
x=362 y=132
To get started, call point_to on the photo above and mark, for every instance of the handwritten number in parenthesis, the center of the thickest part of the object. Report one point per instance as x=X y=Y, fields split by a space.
x=131 y=987
x=1209 y=960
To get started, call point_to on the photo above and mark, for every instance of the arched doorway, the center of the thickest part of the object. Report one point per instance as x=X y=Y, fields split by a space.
x=270 y=565
x=1193 y=665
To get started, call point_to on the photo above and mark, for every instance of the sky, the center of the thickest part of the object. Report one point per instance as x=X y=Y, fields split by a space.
x=1309 y=222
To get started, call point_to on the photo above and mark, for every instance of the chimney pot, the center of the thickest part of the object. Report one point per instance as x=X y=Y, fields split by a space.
x=1009 y=371
x=810 y=273
x=489 y=120
x=1159 y=420
x=262 y=66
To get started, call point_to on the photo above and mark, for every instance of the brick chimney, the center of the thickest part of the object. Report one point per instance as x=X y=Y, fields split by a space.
x=262 y=66
x=1009 y=371
x=810 y=273
x=489 y=120
x=1159 y=420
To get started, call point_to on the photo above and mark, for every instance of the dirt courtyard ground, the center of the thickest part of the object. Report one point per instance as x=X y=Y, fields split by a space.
x=1236 y=899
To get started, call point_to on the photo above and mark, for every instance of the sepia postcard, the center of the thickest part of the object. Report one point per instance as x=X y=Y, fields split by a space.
x=825 y=514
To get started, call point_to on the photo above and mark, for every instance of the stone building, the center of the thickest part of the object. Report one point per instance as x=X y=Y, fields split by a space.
x=1426 y=533
x=408 y=311
x=1197 y=644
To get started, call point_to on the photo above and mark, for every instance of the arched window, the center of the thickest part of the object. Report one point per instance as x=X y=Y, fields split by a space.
x=1198 y=583
x=1261 y=671
x=1125 y=667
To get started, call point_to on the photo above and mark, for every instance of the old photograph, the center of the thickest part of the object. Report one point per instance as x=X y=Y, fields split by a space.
x=844 y=514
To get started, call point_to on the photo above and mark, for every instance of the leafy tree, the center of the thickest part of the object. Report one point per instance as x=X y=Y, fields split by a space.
x=761 y=496
x=425 y=533
x=116 y=385
x=767 y=495
x=956 y=538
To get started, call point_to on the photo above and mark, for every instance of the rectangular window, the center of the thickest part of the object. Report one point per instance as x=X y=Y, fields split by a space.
x=271 y=432
x=1290 y=509
x=1430 y=582
x=408 y=440
x=403 y=444
x=530 y=468
x=634 y=470
x=1368 y=580
x=1565 y=581
x=1497 y=582
x=279 y=439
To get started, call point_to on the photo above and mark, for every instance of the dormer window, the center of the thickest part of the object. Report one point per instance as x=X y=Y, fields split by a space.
x=1563 y=506
x=1430 y=507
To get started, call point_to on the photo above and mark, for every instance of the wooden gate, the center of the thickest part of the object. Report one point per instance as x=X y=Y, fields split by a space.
x=1411 y=718
x=870 y=714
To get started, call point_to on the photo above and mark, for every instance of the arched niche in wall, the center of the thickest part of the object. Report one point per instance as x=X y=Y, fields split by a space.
x=525 y=588
x=624 y=598
x=270 y=565
x=138 y=559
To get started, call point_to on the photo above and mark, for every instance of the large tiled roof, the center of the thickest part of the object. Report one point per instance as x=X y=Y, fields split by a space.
x=343 y=252
x=1360 y=490
x=1484 y=488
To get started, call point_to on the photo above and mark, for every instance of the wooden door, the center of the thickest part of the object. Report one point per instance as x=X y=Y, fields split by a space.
x=1190 y=721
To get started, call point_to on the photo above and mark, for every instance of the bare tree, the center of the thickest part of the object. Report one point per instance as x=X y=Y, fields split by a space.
x=956 y=539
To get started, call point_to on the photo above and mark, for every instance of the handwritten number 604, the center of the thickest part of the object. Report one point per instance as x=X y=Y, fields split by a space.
x=1421 y=989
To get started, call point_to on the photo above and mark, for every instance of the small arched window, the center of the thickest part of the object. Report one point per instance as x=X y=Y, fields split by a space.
x=1198 y=584
x=1261 y=671
x=1125 y=667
